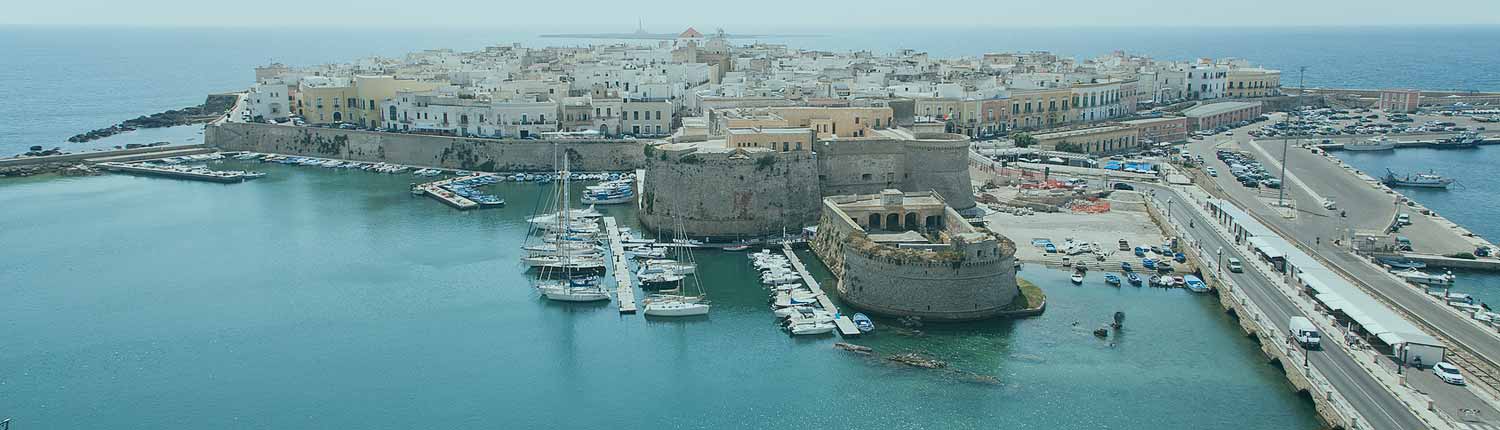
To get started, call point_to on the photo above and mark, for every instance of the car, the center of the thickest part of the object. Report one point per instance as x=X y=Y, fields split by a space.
x=1448 y=373
x=1235 y=266
x=1050 y=248
x=1330 y=204
x=1123 y=186
x=1212 y=172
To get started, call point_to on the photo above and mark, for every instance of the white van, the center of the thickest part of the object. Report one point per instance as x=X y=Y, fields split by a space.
x=1306 y=334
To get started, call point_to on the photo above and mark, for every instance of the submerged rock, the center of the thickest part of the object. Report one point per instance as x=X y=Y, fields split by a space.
x=917 y=360
x=860 y=349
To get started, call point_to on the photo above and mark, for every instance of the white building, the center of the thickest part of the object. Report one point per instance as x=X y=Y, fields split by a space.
x=1207 y=81
x=269 y=102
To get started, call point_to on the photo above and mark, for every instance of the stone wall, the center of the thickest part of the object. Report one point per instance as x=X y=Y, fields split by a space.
x=729 y=195
x=936 y=161
x=423 y=150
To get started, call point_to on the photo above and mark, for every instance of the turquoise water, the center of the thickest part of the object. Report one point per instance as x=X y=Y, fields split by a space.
x=1470 y=202
x=316 y=298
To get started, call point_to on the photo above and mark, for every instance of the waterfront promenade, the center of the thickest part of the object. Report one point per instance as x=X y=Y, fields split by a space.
x=1312 y=178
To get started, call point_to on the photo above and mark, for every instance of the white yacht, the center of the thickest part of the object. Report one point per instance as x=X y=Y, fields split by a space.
x=1423 y=278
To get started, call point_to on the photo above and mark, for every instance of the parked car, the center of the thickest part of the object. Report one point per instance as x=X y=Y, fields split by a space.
x=1123 y=186
x=1212 y=172
x=1448 y=373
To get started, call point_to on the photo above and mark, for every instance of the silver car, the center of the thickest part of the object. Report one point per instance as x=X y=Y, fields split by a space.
x=1448 y=373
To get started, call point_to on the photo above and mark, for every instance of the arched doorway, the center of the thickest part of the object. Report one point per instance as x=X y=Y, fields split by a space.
x=934 y=222
x=893 y=222
x=604 y=129
x=911 y=221
x=874 y=221
x=338 y=117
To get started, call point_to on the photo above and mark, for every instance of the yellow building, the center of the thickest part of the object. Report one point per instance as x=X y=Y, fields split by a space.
x=1041 y=108
x=827 y=122
x=775 y=139
x=370 y=91
x=1091 y=139
x=326 y=101
x=1253 y=82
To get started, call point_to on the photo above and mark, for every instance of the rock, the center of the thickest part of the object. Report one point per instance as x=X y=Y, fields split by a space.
x=917 y=360
x=860 y=349
x=1101 y=332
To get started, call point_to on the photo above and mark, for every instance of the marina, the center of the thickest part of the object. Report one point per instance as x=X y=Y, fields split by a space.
x=846 y=327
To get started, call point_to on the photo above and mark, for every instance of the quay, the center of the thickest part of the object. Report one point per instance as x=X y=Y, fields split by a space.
x=200 y=174
x=624 y=288
x=435 y=190
x=846 y=326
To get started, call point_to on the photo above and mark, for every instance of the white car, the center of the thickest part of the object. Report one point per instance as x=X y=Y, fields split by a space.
x=1448 y=373
x=1212 y=172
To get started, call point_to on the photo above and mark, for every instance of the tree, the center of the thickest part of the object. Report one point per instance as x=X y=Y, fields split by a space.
x=1023 y=140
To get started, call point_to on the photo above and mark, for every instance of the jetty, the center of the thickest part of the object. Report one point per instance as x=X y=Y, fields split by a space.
x=437 y=191
x=846 y=326
x=180 y=172
x=624 y=288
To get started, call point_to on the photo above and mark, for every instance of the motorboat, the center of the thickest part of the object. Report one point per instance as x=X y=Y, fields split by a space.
x=1423 y=278
x=811 y=329
x=1077 y=277
x=779 y=278
x=1112 y=279
x=863 y=323
x=809 y=315
x=799 y=298
x=1377 y=143
x=1464 y=140
x=1133 y=278
x=736 y=248
x=1419 y=180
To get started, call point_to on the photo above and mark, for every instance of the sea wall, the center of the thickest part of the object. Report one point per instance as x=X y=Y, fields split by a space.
x=423 y=150
x=729 y=195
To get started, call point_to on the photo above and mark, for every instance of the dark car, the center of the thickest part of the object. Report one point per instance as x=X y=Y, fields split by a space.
x=1123 y=186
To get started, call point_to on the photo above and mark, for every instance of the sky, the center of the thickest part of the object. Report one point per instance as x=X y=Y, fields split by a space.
x=756 y=15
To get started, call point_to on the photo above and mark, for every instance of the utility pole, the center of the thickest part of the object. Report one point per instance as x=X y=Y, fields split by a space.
x=1302 y=89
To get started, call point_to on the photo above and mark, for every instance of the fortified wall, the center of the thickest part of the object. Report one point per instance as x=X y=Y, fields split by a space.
x=752 y=195
x=728 y=194
x=901 y=254
x=493 y=155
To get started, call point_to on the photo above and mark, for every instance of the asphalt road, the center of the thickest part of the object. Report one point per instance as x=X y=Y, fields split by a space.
x=1367 y=208
x=1375 y=403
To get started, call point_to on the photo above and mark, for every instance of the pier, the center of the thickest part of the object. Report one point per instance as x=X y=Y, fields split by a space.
x=435 y=190
x=846 y=326
x=624 y=288
x=200 y=174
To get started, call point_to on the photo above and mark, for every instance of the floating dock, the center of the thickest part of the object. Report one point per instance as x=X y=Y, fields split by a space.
x=846 y=325
x=624 y=288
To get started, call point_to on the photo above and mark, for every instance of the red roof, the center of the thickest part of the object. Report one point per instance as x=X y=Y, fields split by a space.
x=690 y=32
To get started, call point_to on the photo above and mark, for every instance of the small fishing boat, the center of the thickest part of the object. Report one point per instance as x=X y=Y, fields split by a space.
x=864 y=323
x=1401 y=263
x=736 y=248
x=1148 y=263
x=1125 y=266
x=1077 y=277
x=1464 y=140
x=1112 y=279
x=1133 y=278
x=811 y=329
x=1194 y=284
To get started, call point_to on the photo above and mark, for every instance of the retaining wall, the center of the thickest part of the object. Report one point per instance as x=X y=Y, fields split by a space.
x=729 y=195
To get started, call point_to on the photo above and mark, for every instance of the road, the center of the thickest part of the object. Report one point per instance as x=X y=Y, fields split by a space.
x=1367 y=208
x=1375 y=403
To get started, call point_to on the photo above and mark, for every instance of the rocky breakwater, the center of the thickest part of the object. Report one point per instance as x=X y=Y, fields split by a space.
x=212 y=108
x=66 y=169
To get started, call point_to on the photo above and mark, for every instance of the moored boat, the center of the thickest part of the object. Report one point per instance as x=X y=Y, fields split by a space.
x=1420 y=180
x=1377 y=143
x=864 y=323
x=1112 y=279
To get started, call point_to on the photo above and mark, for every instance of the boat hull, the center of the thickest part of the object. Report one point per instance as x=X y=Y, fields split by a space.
x=676 y=309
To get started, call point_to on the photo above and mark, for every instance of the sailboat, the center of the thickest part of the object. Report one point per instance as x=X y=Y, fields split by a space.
x=687 y=298
x=565 y=259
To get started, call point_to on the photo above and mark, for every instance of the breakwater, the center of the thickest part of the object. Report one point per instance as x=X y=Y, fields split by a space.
x=493 y=155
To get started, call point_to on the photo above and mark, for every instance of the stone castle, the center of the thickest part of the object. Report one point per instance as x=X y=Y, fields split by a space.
x=911 y=255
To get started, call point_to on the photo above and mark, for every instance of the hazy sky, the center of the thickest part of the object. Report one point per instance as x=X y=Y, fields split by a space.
x=667 y=15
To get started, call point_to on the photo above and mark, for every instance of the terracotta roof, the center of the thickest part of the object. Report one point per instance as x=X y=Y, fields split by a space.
x=690 y=32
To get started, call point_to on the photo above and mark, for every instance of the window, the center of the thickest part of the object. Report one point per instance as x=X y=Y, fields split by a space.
x=636 y=116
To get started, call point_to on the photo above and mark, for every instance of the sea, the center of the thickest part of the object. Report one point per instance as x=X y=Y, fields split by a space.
x=316 y=298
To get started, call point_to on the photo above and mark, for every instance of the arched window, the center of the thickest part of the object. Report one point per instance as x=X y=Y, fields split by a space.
x=338 y=117
x=393 y=113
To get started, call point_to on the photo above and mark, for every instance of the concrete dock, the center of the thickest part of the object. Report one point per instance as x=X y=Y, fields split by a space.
x=846 y=326
x=435 y=190
x=179 y=172
x=624 y=288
